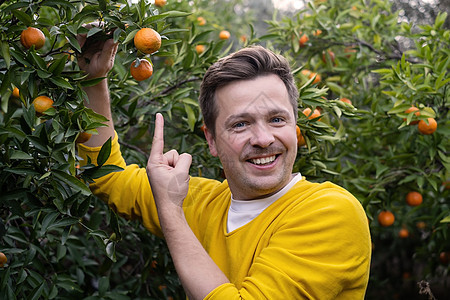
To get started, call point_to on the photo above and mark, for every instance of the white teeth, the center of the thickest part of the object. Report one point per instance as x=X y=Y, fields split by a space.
x=264 y=160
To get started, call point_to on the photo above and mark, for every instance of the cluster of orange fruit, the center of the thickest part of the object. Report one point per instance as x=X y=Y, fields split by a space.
x=428 y=126
x=304 y=37
x=223 y=35
x=147 y=41
x=34 y=37
x=310 y=114
x=309 y=74
x=386 y=218
x=28 y=38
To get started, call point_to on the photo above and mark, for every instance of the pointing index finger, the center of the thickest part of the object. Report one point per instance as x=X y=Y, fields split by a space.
x=158 y=136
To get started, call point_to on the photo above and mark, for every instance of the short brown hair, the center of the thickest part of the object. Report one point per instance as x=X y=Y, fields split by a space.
x=246 y=63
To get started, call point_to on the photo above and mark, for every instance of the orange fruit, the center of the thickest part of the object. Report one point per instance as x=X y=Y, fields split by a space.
x=429 y=128
x=16 y=93
x=410 y=110
x=147 y=40
x=446 y=184
x=162 y=287
x=141 y=70
x=83 y=137
x=169 y=61
x=243 y=38
x=154 y=264
x=310 y=75
x=303 y=40
x=444 y=257
x=200 y=49
x=32 y=37
x=421 y=225
x=201 y=21
x=317 y=32
x=315 y=114
x=331 y=55
x=3 y=259
x=414 y=198
x=346 y=100
x=403 y=233
x=224 y=35
x=160 y=3
x=350 y=51
x=203 y=128
x=300 y=139
x=42 y=103
x=386 y=218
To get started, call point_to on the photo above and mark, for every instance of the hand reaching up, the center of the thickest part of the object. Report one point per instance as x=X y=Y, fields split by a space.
x=97 y=58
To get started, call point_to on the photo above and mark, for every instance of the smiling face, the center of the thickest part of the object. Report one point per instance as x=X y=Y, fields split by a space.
x=255 y=136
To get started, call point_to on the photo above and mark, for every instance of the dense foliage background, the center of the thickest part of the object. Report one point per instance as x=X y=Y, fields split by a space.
x=61 y=242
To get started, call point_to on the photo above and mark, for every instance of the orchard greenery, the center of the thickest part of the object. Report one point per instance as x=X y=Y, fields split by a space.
x=64 y=243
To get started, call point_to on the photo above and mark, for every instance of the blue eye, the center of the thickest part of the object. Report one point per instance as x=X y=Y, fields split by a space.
x=239 y=125
x=277 y=120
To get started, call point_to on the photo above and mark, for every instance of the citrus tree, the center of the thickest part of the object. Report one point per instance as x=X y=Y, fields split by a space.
x=57 y=239
x=358 y=71
x=393 y=154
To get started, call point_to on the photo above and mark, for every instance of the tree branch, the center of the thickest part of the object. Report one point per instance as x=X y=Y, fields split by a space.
x=134 y=148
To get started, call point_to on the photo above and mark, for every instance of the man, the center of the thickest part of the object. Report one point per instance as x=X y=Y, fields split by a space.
x=263 y=233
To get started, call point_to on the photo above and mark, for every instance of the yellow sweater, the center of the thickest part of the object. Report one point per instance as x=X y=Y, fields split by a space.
x=312 y=243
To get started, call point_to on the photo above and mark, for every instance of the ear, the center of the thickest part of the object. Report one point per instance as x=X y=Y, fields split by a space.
x=211 y=142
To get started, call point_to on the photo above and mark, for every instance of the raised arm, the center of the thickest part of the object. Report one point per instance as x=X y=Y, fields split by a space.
x=169 y=179
x=97 y=60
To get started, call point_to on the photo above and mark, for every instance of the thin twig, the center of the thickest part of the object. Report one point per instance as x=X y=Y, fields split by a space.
x=134 y=148
x=170 y=88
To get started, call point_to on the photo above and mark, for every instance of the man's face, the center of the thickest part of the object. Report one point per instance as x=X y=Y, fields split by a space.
x=255 y=136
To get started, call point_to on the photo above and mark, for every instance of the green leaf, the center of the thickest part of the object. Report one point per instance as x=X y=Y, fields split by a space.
x=103 y=285
x=130 y=36
x=55 y=3
x=49 y=219
x=61 y=82
x=191 y=117
x=200 y=37
x=14 y=6
x=102 y=171
x=5 y=53
x=93 y=31
x=22 y=16
x=73 y=42
x=65 y=222
x=176 y=14
x=18 y=154
x=43 y=74
x=37 y=292
x=104 y=153
x=38 y=60
x=57 y=66
x=445 y=220
x=74 y=182
x=91 y=82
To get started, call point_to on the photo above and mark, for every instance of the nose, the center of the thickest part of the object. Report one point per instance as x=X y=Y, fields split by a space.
x=262 y=136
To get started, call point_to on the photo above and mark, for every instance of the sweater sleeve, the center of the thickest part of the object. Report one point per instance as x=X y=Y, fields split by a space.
x=127 y=192
x=320 y=250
